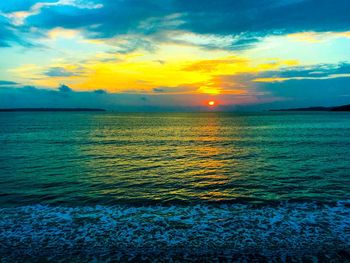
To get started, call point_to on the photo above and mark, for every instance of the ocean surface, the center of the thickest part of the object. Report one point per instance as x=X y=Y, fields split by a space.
x=238 y=184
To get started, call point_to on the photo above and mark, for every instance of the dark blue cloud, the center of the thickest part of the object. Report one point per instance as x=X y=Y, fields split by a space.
x=251 y=19
x=309 y=92
x=288 y=94
x=7 y=36
x=173 y=89
x=160 y=90
x=20 y=5
x=133 y=44
x=6 y=82
x=31 y=97
x=297 y=94
x=315 y=71
x=60 y=72
x=64 y=88
x=244 y=42
x=264 y=16
x=116 y=17
x=10 y=34
x=323 y=85
x=100 y=91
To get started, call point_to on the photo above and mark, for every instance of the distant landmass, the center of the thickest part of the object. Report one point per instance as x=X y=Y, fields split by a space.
x=51 y=109
x=336 y=108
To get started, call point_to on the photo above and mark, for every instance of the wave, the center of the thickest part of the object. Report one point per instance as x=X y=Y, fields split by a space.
x=236 y=231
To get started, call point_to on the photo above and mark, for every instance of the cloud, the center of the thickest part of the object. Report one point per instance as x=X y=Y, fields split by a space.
x=18 y=17
x=19 y=5
x=64 y=88
x=26 y=97
x=145 y=24
x=257 y=96
x=315 y=37
x=259 y=82
x=245 y=21
x=251 y=80
x=113 y=18
x=316 y=72
x=14 y=28
x=7 y=33
x=125 y=45
x=214 y=64
x=6 y=82
x=60 y=72
x=100 y=91
x=180 y=89
x=323 y=84
x=318 y=85
x=310 y=92
x=264 y=16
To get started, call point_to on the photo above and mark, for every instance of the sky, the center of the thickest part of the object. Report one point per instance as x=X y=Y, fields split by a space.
x=174 y=55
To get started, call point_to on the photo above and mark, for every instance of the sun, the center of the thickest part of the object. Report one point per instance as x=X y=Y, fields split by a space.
x=211 y=103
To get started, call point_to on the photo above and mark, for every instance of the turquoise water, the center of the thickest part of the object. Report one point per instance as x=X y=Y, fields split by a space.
x=110 y=158
x=82 y=187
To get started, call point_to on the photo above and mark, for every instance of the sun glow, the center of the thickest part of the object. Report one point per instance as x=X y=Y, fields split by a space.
x=211 y=103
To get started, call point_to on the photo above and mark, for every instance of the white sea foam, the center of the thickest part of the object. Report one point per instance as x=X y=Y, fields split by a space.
x=283 y=229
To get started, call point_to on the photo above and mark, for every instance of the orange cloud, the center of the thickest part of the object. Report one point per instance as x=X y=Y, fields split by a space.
x=215 y=64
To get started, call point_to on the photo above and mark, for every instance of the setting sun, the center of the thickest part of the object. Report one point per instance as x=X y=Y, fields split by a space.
x=211 y=103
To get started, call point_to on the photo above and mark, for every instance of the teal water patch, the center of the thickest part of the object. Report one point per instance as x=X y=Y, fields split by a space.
x=78 y=159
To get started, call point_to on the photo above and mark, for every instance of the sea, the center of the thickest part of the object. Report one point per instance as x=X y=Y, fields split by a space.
x=181 y=187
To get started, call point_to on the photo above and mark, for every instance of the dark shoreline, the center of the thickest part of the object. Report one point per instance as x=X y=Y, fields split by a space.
x=336 y=108
x=49 y=109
